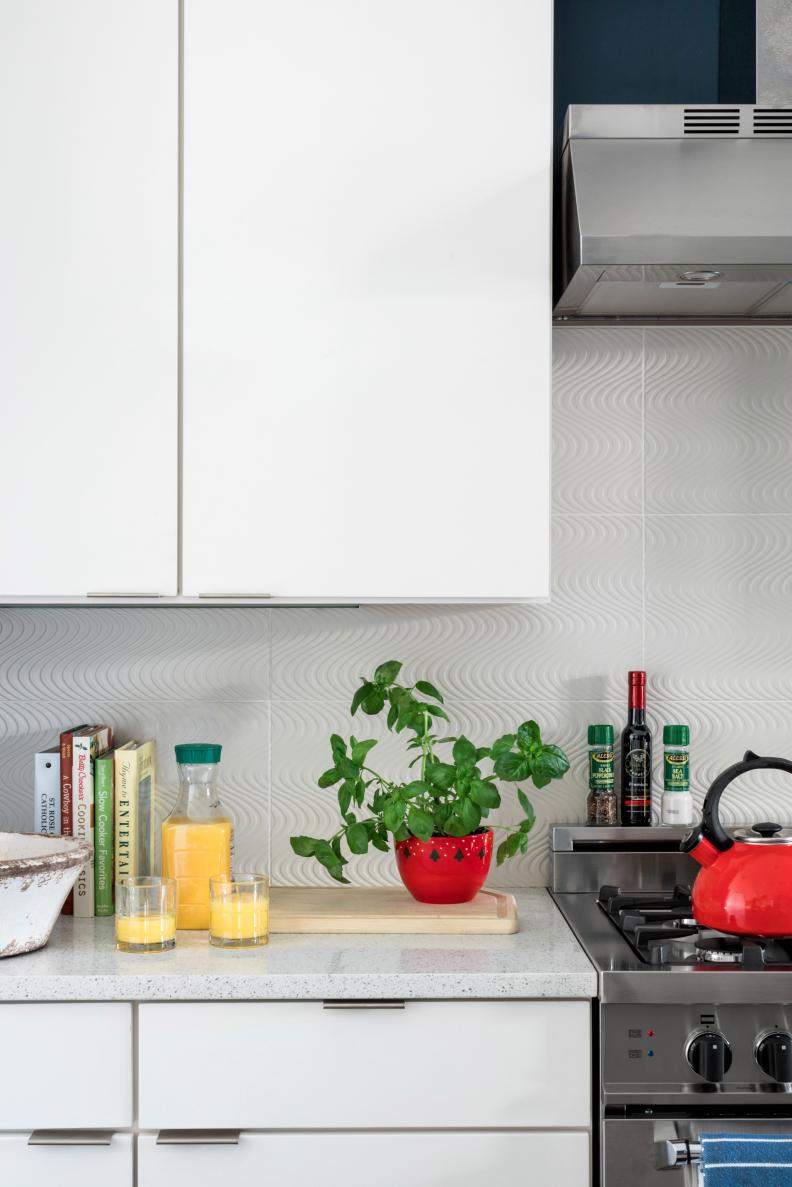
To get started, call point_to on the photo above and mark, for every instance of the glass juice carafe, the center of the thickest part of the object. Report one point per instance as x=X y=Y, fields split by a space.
x=197 y=836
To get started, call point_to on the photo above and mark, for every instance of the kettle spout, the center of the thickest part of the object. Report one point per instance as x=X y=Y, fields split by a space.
x=699 y=848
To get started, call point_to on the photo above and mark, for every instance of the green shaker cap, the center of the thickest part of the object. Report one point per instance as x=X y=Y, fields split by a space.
x=676 y=735
x=198 y=752
x=600 y=735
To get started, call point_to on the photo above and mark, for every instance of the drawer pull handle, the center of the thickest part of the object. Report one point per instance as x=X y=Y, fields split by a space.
x=71 y=1137
x=363 y=1005
x=127 y=594
x=198 y=1137
x=227 y=597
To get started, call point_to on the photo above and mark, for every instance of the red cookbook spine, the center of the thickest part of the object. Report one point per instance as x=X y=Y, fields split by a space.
x=66 y=797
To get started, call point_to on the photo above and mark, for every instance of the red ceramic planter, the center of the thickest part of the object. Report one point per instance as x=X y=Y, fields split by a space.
x=445 y=869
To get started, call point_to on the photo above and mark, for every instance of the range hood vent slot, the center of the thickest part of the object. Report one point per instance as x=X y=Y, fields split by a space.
x=772 y=121
x=712 y=121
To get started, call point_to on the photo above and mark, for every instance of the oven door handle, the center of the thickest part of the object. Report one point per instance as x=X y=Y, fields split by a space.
x=671 y=1154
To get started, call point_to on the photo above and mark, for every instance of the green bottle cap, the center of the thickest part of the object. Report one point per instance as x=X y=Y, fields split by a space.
x=191 y=752
x=676 y=735
x=600 y=735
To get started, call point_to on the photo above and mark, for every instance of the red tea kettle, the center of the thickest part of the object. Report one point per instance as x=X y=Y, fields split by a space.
x=745 y=885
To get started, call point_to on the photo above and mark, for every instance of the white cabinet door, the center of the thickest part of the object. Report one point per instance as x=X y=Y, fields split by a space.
x=366 y=298
x=88 y=296
x=65 y=1164
x=359 y=1160
x=431 y=1065
x=65 y=1066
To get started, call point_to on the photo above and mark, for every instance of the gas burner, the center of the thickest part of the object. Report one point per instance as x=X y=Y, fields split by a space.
x=713 y=947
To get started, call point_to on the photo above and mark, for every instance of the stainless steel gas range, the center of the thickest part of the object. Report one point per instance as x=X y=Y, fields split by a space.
x=694 y=1029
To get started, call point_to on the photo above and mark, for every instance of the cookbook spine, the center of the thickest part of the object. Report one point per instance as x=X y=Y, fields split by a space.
x=66 y=740
x=82 y=823
x=103 y=834
x=46 y=793
x=125 y=814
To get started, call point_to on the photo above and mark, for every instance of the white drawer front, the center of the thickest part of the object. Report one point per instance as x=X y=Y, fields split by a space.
x=359 y=1160
x=431 y=1065
x=22 y=1165
x=72 y=1066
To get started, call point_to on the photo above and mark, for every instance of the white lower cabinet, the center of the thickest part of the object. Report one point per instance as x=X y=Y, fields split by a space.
x=62 y=1163
x=49 y=1053
x=427 y=1065
x=361 y=1159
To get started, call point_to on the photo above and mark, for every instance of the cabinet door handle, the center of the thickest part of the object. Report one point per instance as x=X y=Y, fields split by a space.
x=363 y=1005
x=130 y=593
x=234 y=597
x=198 y=1137
x=71 y=1137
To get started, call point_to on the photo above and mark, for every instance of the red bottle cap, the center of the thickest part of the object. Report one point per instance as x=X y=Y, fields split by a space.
x=636 y=682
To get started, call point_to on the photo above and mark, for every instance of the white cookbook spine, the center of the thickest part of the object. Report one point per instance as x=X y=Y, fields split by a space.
x=46 y=792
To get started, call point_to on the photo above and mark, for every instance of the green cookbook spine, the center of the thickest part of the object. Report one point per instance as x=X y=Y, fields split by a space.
x=103 y=834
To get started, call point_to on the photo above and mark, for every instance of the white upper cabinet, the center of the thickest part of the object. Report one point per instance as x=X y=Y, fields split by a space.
x=366 y=297
x=88 y=296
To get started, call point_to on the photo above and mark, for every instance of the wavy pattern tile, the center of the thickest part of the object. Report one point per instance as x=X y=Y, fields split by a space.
x=597 y=420
x=718 y=420
x=703 y=580
x=509 y=653
x=130 y=653
x=719 y=606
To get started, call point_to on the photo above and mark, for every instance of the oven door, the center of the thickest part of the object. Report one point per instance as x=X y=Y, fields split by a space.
x=664 y=1151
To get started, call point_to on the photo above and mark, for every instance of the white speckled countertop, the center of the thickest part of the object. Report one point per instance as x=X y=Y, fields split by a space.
x=81 y=963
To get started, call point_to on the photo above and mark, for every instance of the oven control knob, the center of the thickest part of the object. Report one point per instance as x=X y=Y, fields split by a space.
x=774 y=1056
x=709 y=1055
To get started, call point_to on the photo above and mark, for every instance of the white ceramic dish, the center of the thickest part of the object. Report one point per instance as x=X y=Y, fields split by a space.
x=36 y=874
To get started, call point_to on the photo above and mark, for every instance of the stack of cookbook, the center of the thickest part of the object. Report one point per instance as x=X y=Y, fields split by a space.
x=85 y=787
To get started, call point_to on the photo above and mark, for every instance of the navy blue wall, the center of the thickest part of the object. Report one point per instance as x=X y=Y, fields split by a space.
x=654 y=51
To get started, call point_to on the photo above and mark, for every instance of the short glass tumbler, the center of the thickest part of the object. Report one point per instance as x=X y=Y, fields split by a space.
x=239 y=911
x=145 y=914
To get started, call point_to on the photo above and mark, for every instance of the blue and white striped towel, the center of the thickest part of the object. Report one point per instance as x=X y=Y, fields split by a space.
x=746 y=1160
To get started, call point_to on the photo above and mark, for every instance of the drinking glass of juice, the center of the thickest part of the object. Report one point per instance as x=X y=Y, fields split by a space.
x=197 y=836
x=239 y=911
x=145 y=916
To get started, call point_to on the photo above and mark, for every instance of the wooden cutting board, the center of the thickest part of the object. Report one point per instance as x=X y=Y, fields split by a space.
x=387 y=909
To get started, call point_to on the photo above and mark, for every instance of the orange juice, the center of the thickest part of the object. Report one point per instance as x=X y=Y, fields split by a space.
x=193 y=851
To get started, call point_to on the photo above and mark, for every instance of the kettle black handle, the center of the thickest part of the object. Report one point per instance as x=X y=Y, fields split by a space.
x=711 y=827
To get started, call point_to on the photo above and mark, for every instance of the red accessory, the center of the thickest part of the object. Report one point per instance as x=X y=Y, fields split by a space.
x=636 y=686
x=445 y=869
x=744 y=884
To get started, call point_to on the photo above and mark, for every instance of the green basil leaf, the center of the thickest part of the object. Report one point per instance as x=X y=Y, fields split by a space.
x=380 y=842
x=528 y=735
x=512 y=767
x=374 y=701
x=338 y=747
x=455 y=826
x=420 y=824
x=361 y=749
x=410 y=790
x=344 y=798
x=501 y=853
x=337 y=872
x=428 y=690
x=464 y=752
x=357 y=838
x=325 y=854
x=349 y=769
x=329 y=778
x=360 y=695
x=393 y=815
x=440 y=775
x=436 y=711
x=503 y=745
x=525 y=803
x=393 y=714
x=485 y=795
x=551 y=761
x=470 y=814
x=386 y=673
x=303 y=846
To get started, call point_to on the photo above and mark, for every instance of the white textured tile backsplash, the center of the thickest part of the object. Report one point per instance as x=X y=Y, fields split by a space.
x=672 y=538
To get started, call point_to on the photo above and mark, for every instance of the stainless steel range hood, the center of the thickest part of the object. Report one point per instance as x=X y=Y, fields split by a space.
x=677 y=213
